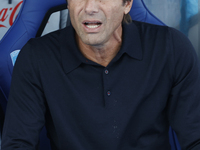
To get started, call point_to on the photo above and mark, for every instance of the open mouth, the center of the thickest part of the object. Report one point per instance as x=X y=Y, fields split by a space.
x=92 y=25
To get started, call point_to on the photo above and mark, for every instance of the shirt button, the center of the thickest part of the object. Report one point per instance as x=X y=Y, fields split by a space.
x=106 y=71
x=108 y=93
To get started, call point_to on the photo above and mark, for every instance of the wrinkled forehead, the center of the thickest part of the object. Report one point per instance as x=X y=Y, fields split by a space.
x=123 y=1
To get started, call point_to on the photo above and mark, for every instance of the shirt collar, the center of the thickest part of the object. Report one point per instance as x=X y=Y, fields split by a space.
x=72 y=57
x=131 y=41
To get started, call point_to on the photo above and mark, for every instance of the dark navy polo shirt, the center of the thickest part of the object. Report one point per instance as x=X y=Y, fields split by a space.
x=153 y=82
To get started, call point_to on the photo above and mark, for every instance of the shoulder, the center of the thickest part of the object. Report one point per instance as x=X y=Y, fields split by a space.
x=53 y=38
x=158 y=30
x=164 y=34
x=155 y=30
x=48 y=40
x=143 y=26
x=171 y=43
x=47 y=46
x=167 y=42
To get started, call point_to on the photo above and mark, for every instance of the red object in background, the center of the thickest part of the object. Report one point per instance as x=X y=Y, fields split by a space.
x=5 y=14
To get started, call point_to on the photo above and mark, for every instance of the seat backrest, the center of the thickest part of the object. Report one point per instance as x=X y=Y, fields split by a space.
x=140 y=12
x=26 y=26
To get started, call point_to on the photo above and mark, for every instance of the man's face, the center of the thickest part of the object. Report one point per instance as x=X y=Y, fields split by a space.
x=97 y=21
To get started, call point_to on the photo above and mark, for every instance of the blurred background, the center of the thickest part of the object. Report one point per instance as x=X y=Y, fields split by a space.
x=183 y=15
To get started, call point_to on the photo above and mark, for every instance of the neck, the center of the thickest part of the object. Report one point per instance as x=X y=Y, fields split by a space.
x=101 y=54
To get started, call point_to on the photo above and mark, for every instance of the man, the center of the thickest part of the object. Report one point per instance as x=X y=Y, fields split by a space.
x=101 y=84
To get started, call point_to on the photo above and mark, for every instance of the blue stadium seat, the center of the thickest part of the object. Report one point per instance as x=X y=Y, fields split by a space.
x=26 y=26
x=140 y=12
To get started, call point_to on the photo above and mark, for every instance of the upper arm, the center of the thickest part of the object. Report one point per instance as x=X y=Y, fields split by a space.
x=184 y=101
x=26 y=104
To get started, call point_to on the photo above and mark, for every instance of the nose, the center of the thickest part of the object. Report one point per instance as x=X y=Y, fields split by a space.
x=91 y=7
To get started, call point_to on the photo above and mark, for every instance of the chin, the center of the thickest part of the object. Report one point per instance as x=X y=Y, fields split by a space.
x=92 y=42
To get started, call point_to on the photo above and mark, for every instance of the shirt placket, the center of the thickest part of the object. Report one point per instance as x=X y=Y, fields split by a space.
x=107 y=88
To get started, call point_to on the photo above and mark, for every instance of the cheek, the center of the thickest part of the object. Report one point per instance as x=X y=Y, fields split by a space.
x=74 y=22
x=116 y=13
x=73 y=17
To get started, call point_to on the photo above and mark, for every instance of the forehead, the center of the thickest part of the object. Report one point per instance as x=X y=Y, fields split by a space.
x=101 y=4
x=98 y=0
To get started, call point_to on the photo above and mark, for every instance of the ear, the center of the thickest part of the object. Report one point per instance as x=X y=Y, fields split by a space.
x=128 y=6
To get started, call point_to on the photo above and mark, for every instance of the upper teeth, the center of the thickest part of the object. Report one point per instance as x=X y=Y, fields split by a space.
x=92 y=26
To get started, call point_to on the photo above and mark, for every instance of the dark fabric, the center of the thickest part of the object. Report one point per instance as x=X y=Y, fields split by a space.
x=153 y=82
